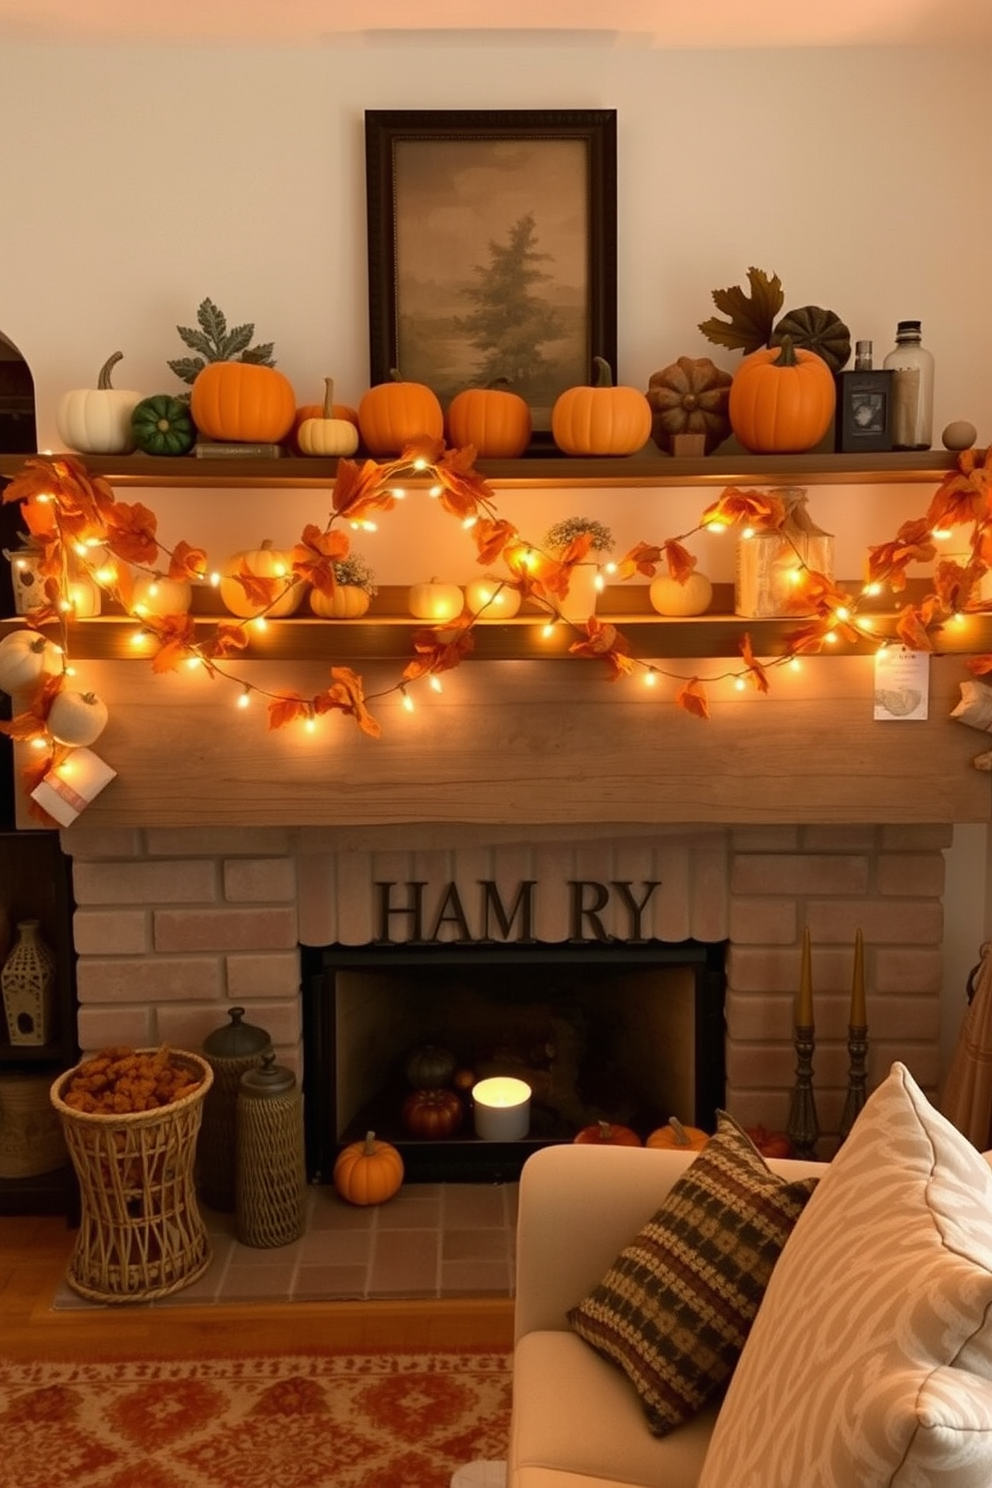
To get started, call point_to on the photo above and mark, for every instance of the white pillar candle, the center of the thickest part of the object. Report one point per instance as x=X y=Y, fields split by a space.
x=502 y=1109
x=70 y=786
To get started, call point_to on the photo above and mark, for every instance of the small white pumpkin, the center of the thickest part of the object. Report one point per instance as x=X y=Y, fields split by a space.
x=670 y=597
x=153 y=594
x=328 y=435
x=435 y=601
x=97 y=421
x=25 y=658
x=77 y=718
x=265 y=562
x=491 y=599
x=348 y=602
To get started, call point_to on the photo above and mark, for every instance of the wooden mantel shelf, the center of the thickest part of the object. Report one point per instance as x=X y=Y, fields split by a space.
x=648 y=468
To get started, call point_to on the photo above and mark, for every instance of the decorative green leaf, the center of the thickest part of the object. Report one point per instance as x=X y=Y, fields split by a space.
x=751 y=316
x=261 y=355
x=237 y=340
x=212 y=320
x=216 y=343
x=187 y=368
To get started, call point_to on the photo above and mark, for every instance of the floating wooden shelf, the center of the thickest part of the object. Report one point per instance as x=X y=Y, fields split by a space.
x=648 y=468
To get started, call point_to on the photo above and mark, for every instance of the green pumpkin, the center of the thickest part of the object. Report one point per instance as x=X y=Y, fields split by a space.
x=163 y=425
x=815 y=329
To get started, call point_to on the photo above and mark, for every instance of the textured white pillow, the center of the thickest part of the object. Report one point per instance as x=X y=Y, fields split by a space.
x=869 y=1364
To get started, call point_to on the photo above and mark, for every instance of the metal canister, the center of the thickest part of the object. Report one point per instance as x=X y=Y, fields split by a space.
x=270 y=1172
x=230 y=1051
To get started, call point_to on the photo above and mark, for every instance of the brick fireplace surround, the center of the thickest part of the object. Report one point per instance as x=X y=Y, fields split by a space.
x=175 y=925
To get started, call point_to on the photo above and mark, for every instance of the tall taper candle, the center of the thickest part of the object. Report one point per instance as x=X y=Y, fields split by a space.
x=804 y=1001
x=859 y=1009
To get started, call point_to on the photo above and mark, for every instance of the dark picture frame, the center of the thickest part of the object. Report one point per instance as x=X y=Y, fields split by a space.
x=492 y=249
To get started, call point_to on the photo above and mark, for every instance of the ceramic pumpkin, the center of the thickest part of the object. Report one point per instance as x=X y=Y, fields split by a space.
x=327 y=434
x=348 y=602
x=393 y=414
x=491 y=598
x=243 y=402
x=681 y=1138
x=316 y=411
x=153 y=594
x=163 y=425
x=265 y=562
x=602 y=419
x=691 y=596
x=494 y=420
x=368 y=1172
x=689 y=396
x=435 y=601
x=432 y=1113
x=608 y=1134
x=782 y=400
x=77 y=718
x=97 y=421
x=25 y=659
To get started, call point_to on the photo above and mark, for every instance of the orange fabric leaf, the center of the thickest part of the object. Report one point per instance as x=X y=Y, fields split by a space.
x=314 y=557
x=441 y=648
x=360 y=489
x=680 y=561
x=288 y=707
x=186 y=562
x=347 y=695
x=691 y=697
x=756 y=673
x=462 y=488
x=259 y=589
x=131 y=533
x=228 y=637
x=911 y=630
x=491 y=537
x=175 y=636
x=981 y=666
x=643 y=558
x=754 y=508
x=605 y=643
x=887 y=562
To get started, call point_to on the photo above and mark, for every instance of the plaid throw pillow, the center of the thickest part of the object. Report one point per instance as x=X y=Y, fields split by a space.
x=674 y=1309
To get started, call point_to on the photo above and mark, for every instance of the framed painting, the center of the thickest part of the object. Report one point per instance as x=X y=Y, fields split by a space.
x=492 y=249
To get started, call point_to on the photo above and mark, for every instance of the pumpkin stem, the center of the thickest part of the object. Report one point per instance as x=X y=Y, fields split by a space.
x=605 y=1131
x=328 y=397
x=38 y=645
x=89 y=697
x=103 y=381
x=787 y=354
x=681 y=1135
x=604 y=374
x=369 y=1149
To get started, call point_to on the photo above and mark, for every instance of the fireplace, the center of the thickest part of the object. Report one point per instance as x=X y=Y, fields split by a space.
x=617 y=1031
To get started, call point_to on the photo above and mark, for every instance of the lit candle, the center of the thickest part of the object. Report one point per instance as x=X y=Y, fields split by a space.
x=70 y=786
x=502 y=1109
x=859 y=1008
x=804 y=1001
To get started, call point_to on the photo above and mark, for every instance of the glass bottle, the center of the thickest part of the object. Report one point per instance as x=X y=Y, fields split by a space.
x=912 y=389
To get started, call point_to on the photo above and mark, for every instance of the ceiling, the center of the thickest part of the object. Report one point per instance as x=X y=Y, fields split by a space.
x=536 y=23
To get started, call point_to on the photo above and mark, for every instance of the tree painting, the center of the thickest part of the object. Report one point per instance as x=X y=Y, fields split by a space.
x=492 y=265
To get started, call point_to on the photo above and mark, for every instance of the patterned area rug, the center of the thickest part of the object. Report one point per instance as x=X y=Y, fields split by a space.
x=361 y=1420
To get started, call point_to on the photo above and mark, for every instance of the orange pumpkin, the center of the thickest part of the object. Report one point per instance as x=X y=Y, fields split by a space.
x=264 y=562
x=601 y=420
x=680 y=1138
x=432 y=1113
x=368 y=1172
x=243 y=402
x=770 y=1143
x=608 y=1134
x=495 y=421
x=782 y=400
x=392 y=415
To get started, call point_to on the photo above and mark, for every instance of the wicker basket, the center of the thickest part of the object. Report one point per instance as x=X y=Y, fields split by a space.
x=31 y=1140
x=141 y=1235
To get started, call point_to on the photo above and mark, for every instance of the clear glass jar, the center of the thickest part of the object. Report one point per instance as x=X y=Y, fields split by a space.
x=912 y=389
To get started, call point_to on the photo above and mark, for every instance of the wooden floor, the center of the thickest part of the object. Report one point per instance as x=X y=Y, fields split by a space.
x=33 y=1257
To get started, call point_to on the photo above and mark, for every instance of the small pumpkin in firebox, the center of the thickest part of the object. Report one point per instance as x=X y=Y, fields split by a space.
x=432 y=1113
x=608 y=1134
x=677 y=1137
x=430 y=1067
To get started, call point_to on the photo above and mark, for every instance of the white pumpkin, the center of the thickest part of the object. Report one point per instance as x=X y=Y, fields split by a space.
x=327 y=435
x=25 y=658
x=153 y=594
x=264 y=562
x=97 y=421
x=77 y=718
x=670 y=597
x=491 y=599
x=435 y=601
x=348 y=602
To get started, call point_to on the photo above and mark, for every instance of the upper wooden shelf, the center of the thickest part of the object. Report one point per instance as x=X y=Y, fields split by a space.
x=648 y=468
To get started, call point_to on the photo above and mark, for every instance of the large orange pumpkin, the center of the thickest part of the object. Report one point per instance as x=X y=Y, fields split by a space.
x=601 y=420
x=392 y=415
x=494 y=420
x=781 y=400
x=243 y=402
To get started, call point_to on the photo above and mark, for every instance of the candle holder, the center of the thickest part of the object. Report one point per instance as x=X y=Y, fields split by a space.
x=857 y=1080
x=803 y=1128
x=502 y=1109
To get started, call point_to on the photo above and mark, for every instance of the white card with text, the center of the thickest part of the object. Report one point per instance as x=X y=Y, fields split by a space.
x=902 y=684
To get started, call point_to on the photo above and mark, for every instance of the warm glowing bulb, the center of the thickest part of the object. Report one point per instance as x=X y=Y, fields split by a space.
x=420 y=463
x=748 y=532
x=244 y=699
x=940 y=534
x=843 y=613
x=106 y=575
x=831 y=638
x=139 y=637
x=795 y=665
x=716 y=525
x=80 y=549
x=957 y=618
x=38 y=742
x=193 y=662
x=611 y=568
x=866 y=622
x=259 y=623
x=600 y=585
x=469 y=522
x=435 y=683
x=398 y=492
x=650 y=677
x=872 y=589
x=407 y=701
x=739 y=684
x=548 y=630
x=310 y=724
x=70 y=671
x=215 y=580
x=794 y=575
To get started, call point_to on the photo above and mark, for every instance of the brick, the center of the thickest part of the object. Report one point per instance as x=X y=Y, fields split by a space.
x=148 y=981
x=93 y=843
x=760 y=1018
x=317 y=899
x=100 y=1026
x=710 y=897
x=920 y=875
x=272 y=974
x=225 y=930
x=218 y=842
x=259 y=880
x=896 y=1018
x=799 y=874
x=763 y=921
x=764 y=839
x=898 y=921
x=180 y=881
x=859 y=837
x=111 y=932
x=927 y=837
x=281 y=1021
x=764 y=969
x=906 y=969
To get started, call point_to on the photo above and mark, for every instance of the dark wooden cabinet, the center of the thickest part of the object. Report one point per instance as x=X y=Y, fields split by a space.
x=35 y=884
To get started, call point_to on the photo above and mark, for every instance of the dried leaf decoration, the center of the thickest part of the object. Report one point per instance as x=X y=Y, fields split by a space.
x=359 y=490
x=752 y=508
x=887 y=562
x=605 y=643
x=463 y=490
x=964 y=496
x=130 y=533
x=691 y=698
x=176 y=636
x=186 y=562
x=347 y=695
x=492 y=537
x=981 y=666
x=313 y=558
x=440 y=648
x=643 y=558
x=756 y=674
x=31 y=720
x=751 y=316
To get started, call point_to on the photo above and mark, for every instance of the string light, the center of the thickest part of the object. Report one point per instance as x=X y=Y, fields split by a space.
x=650 y=677
x=406 y=700
x=435 y=684
x=244 y=697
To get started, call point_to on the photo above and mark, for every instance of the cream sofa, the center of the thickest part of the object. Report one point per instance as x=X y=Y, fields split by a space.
x=577 y=1422
x=907 y=1194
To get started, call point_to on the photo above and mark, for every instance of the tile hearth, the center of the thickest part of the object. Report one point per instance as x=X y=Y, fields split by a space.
x=431 y=1240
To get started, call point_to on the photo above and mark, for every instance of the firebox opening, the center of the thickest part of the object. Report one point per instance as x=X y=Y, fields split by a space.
x=619 y=1032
